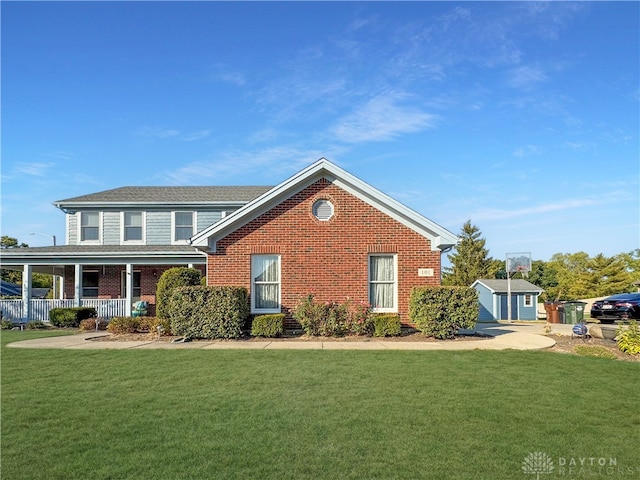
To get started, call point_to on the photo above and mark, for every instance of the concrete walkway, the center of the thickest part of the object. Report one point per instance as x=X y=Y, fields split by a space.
x=503 y=336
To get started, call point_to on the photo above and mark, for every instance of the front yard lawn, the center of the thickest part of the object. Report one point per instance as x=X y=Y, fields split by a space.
x=309 y=414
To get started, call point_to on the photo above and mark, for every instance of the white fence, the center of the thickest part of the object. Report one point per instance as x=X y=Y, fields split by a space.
x=13 y=309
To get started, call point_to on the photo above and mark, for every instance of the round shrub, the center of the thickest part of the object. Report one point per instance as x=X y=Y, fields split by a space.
x=151 y=324
x=123 y=325
x=89 y=324
x=386 y=325
x=70 y=317
x=268 y=325
x=173 y=278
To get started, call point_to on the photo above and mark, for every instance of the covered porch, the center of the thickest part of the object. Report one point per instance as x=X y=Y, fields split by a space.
x=107 y=278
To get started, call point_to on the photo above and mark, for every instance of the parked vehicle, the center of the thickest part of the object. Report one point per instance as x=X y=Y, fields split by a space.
x=622 y=306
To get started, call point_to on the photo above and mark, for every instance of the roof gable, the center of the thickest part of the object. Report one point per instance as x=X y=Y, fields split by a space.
x=440 y=237
x=518 y=285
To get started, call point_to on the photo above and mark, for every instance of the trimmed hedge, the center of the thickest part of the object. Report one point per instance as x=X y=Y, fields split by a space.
x=89 y=325
x=70 y=317
x=123 y=325
x=151 y=324
x=333 y=319
x=268 y=325
x=386 y=325
x=173 y=278
x=440 y=312
x=208 y=312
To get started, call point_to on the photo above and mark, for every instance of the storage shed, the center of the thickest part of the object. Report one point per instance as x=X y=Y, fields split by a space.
x=492 y=295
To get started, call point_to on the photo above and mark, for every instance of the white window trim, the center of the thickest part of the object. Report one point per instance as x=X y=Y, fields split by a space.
x=82 y=287
x=528 y=303
x=253 y=296
x=393 y=309
x=79 y=226
x=143 y=241
x=194 y=217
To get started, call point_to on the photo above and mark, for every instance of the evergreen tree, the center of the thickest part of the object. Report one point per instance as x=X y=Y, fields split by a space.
x=470 y=260
x=607 y=276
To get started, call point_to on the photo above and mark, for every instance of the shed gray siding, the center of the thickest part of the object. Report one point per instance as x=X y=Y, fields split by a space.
x=485 y=297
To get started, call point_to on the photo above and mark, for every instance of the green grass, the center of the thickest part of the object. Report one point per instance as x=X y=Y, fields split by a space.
x=190 y=414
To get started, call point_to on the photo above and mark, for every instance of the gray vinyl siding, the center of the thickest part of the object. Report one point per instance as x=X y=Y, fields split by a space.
x=207 y=218
x=72 y=229
x=111 y=228
x=158 y=228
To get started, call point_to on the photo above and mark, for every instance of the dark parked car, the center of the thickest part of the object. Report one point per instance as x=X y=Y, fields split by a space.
x=623 y=306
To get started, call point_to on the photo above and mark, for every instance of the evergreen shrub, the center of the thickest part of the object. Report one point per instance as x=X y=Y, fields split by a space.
x=386 y=325
x=173 y=278
x=208 y=312
x=268 y=325
x=70 y=317
x=440 y=312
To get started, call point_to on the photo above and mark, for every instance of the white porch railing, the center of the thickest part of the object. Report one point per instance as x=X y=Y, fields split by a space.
x=13 y=309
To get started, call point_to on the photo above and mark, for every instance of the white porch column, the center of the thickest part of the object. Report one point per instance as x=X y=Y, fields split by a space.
x=78 y=285
x=129 y=288
x=26 y=292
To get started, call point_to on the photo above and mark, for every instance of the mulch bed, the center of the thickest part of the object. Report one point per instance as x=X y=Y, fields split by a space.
x=567 y=344
x=404 y=337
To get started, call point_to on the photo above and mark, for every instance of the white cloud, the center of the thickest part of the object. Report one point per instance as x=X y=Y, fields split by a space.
x=269 y=165
x=162 y=133
x=157 y=132
x=381 y=118
x=37 y=169
x=526 y=77
x=526 y=151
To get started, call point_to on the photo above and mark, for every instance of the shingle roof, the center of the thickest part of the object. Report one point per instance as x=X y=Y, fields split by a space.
x=517 y=285
x=194 y=194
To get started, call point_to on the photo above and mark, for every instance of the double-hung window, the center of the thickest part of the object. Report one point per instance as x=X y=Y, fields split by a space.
x=528 y=300
x=90 y=226
x=132 y=223
x=90 y=283
x=383 y=286
x=265 y=283
x=183 y=224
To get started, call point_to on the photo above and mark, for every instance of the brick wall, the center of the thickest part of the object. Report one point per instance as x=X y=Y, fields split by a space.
x=330 y=258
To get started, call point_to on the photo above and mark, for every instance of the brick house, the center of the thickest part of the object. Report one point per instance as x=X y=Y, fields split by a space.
x=322 y=231
x=326 y=232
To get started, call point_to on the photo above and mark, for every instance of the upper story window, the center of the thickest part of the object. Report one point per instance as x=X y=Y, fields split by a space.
x=183 y=226
x=132 y=226
x=90 y=226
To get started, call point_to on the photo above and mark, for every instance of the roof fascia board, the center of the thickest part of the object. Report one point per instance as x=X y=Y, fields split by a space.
x=164 y=205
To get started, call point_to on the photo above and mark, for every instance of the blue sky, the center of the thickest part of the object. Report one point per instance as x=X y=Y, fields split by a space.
x=521 y=117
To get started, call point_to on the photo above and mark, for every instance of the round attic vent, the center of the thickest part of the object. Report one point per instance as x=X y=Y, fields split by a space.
x=323 y=210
